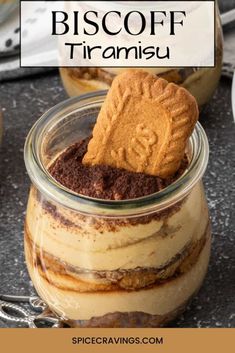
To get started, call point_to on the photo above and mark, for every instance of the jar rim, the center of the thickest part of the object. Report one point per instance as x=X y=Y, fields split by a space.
x=160 y=200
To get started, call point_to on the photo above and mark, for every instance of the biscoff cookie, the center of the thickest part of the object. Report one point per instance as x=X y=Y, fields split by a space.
x=143 y=125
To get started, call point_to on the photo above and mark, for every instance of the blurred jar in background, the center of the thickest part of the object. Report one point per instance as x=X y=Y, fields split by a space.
x=201 y=82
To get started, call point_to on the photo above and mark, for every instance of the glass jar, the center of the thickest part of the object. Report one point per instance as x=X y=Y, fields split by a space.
x=201 y=82
x=101 y=263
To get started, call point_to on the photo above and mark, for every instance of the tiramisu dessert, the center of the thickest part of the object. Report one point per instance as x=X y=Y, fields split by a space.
x=117 y=230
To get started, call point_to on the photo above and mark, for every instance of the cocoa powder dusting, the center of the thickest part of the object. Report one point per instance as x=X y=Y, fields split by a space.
x=102 y=181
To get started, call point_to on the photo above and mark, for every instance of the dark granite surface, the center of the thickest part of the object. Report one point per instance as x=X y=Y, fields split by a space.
x=22 y=104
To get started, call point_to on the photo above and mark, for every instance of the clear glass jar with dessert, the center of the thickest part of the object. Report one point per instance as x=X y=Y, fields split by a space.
x=200 y=82
x=98 y=262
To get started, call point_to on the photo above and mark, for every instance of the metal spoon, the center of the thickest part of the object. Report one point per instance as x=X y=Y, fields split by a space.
x=21 y=315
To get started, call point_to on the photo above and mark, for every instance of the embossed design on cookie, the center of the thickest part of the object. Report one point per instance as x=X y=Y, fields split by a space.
x=121 y=158
x=141 y=148
x=183 y=118
x=111 y=114
x=141 y=145
x=164 y=114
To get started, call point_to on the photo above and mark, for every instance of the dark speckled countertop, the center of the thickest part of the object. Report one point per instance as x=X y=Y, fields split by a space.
x=23 y=102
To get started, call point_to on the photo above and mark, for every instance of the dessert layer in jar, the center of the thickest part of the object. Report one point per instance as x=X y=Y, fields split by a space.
x=109 y=244
x=151 y=306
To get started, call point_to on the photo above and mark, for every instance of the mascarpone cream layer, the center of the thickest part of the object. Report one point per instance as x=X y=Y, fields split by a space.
x=158 y=300
x=95 y=244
